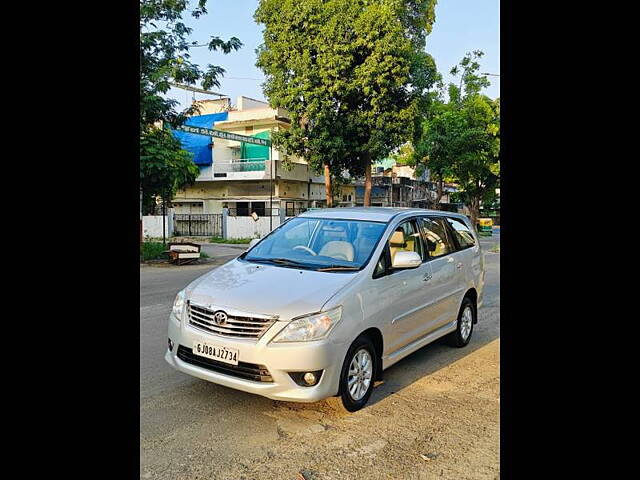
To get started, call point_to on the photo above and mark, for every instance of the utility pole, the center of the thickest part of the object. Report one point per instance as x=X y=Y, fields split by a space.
x=271 y=188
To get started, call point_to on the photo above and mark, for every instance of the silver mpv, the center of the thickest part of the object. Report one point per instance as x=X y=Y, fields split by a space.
x=328 y=300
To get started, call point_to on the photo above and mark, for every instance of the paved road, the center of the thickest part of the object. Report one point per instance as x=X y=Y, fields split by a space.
x=435 y=414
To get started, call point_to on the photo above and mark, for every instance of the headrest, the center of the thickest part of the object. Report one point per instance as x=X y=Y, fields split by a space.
x=397 y=239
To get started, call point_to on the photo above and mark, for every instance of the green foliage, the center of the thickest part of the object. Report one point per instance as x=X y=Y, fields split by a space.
x=164 y=166
x=165 y=59
x=152 y=251
x=352 y=73
x=460 y=140
x=230 y=240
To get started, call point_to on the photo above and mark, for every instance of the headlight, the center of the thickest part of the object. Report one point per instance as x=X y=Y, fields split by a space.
x=311 y=327
x=178 y=305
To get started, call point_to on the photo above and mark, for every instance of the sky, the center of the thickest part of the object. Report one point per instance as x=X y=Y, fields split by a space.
x=461 y=26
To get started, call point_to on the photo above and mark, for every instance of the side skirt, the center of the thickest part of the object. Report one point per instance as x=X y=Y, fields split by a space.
x=419 y=343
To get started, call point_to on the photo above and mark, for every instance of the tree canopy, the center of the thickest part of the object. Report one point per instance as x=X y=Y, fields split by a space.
x=352 y=73
x=165 y=59
x=460 y=141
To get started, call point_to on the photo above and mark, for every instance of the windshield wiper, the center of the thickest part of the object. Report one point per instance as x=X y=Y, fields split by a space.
x=331 y=268
x=279 y=261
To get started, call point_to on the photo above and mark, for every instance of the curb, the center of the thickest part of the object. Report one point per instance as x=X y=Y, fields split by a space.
x=230 y=245
x=202 y=261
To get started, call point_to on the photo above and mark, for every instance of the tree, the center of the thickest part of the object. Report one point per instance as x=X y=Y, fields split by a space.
x=352 y=74
x=164 y=166
x=460 y=140
x=165 y=59
x=477 y=168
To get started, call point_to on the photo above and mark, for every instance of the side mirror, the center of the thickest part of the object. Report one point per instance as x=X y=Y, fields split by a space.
x=253 y=243
x=406 y=260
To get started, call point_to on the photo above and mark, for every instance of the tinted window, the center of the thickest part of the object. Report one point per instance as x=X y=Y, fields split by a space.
x=435 y=234
x=462 y=233
x=406 y=238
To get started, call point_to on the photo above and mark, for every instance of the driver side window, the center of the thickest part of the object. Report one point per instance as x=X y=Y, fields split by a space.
x=406 y=238
x=300 y=235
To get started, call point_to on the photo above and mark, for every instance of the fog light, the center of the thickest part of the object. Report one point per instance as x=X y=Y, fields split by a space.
x=309 y=378
x=306 y=379
x=170 y=345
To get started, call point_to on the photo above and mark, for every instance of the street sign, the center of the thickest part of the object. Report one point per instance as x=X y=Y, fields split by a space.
x=209 y=132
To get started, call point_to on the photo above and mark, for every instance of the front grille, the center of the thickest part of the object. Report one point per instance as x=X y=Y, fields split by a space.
x=235 y=326
x=244 y=370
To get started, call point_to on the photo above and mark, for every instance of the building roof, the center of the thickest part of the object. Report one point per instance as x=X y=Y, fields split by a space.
x=374 y=214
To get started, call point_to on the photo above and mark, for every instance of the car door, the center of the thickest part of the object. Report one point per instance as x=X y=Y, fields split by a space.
x=444 y=285
x=467 y=257
x=405 y=288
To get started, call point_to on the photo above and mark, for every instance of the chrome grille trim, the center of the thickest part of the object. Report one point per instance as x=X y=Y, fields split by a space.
x=238 y=324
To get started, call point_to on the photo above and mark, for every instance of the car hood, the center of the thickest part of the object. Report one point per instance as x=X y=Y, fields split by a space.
x=267 y=289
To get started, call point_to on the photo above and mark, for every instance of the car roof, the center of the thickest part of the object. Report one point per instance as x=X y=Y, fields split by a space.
x=373 y=214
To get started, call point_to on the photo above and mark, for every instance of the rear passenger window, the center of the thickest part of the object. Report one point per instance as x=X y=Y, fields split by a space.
x=462 y=233
x=435 y=233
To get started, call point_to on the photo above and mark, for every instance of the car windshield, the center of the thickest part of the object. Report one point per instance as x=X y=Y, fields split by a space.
x=319 y=244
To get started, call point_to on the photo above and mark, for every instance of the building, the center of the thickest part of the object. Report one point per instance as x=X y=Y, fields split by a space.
x=396 y=186
x=243 y=177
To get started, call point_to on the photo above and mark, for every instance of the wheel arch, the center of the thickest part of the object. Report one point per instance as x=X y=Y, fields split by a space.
x=375 y=335
x=472 y=294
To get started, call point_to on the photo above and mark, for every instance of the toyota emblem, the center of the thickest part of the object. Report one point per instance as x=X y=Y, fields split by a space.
x=220 y=317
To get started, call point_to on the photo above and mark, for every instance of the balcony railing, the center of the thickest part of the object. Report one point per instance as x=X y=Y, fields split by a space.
x=240 y=165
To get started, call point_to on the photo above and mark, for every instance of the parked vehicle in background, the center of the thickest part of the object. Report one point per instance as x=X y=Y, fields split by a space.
x=328 y=300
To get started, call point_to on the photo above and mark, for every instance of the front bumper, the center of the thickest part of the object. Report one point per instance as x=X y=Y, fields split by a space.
x=278 y=358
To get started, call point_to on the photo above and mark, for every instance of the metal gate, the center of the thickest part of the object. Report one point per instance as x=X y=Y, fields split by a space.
x=197 y=224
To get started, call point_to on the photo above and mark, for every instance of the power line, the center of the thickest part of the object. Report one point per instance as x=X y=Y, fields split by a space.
x=194 y=89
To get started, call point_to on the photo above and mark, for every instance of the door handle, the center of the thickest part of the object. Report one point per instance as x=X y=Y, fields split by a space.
x=459 y=265
x=427 y=277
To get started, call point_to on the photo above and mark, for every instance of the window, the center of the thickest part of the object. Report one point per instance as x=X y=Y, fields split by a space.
x=259 y=208
x=319 y=243
x=435 y=234
x=462 y=233
x=381 y=266
x=242 y=209
x=289 y=210
x=300 y=234
x=406 y=238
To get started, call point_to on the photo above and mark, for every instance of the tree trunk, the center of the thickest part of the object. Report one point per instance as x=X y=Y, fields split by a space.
x=367 y=179
x=474 y=210
x=327 y=185
x=439 y=193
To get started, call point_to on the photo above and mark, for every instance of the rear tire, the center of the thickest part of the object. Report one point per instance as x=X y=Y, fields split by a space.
x=357 y=375
x=464 y=326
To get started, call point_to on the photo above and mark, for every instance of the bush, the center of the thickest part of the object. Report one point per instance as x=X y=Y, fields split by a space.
x=152 y=251
x=230 y=240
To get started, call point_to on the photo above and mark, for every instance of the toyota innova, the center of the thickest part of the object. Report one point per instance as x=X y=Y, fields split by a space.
x=328 y=300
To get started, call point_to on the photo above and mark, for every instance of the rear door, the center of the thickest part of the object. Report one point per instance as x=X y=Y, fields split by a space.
x=467 y=256
x=444 y=285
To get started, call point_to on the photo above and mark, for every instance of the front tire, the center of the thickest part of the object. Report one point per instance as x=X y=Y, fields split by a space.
x=358 y=374
x=464 y=327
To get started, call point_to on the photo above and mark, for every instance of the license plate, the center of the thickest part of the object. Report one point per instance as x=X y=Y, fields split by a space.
x=216 y=352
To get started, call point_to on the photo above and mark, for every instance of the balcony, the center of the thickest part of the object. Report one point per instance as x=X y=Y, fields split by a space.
x=241 y=165
x=256 y=169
